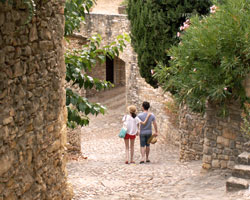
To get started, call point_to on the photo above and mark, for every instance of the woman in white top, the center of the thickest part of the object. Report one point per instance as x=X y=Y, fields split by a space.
x=132 y=122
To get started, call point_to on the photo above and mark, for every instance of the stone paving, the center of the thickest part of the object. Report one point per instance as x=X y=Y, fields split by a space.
x=105 y=176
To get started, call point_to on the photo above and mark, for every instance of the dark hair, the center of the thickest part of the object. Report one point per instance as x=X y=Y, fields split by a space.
x=133 y=115
x=146 y=105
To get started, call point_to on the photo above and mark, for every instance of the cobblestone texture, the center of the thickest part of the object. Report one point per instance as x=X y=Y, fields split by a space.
x=105 y=176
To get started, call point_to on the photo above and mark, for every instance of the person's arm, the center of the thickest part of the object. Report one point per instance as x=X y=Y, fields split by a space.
x=146 y=120
x=155 y=127
x=138 y=129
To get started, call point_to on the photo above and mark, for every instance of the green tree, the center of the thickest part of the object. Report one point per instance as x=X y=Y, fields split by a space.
x=212 y=59
x=154 y=25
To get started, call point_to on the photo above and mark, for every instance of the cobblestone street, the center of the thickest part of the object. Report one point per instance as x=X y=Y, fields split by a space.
x=105 y=176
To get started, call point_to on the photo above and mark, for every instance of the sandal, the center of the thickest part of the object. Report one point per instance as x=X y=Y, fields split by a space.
x=141 y=162
x=126 y=162
x=148 y=161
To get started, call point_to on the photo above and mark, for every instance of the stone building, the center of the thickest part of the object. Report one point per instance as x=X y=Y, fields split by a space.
x=32 y=102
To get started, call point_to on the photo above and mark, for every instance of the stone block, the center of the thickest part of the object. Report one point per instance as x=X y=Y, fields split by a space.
x=213 y=143
x=228 y=152
x=3 y=93
x=234 y=183
x=46 y=45
x=197 y=147
x=6 y=161
x=2 y=57
x=33 y=33
x=210 y=135
x=55 y=146
x=207 y=150
x=207 y=159
x=206 y=166
x=216 y=164
x=241 y=171
x=231 y=144
x=223 y=141
x=229 y=134
x=223 y=157
x=244 y=158
x=230 y=164
x=223 y=164
x=18 y=70
x=7 y=120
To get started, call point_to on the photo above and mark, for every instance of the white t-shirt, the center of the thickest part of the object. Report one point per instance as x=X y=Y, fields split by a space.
x=132 y=124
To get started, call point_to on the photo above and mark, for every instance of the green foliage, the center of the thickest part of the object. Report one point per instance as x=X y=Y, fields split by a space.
x=154 y=25
x=212 y=59
x=75 y=13
x=78 y=109
x=78 y=62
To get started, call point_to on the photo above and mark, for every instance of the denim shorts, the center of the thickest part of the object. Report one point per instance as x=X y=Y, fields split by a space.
x=143 y=139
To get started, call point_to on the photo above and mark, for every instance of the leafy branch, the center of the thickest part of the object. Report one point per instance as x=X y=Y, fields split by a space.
x=78 y=63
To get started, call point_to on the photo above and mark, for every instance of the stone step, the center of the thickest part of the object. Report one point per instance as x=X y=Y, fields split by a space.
x=241 y=171
x=244 y=158
x=234 y=183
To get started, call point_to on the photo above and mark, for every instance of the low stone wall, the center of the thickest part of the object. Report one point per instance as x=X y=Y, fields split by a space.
x=223 y=138
x=192 y=127
x=32 y=102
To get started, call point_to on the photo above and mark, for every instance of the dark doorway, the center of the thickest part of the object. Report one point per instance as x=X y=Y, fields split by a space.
x=109 y=69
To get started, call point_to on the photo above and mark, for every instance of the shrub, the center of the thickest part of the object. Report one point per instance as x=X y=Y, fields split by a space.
x=212 y=59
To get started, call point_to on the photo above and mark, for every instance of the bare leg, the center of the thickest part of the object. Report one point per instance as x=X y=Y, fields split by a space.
x=127 y=148
x=142 y=153
x=147 y=152
x=132 y=144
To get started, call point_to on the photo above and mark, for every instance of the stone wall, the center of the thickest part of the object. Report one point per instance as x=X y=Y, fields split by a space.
x=75 y=41
x=191 y=127
x=223 y=139
x=99 y=71
x=109 y=27
x=32 y=102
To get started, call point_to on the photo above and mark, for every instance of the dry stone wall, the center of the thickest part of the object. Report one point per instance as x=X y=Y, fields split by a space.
x=191 y=127
x=224 y=140
x=32 y=102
